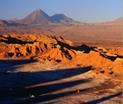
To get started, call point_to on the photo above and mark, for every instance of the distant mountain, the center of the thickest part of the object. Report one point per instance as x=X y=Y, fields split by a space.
x=3 y=23
x=119 y=19
x=116 y=22
x=36 y=17
x=61 y=18
x=40 y=17
x=9 y=23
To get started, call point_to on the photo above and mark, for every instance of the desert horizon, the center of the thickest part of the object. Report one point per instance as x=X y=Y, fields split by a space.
x=40 y=22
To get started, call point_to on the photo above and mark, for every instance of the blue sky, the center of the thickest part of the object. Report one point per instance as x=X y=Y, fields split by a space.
x=82 y=10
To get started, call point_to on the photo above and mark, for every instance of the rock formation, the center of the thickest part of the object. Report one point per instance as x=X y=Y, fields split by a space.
x=59 y=50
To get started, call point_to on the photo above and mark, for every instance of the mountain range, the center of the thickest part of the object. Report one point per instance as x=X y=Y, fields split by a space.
x=61 y=25
x=38 y=17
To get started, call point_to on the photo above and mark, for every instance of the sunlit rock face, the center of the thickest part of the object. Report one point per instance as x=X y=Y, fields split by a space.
x=60 y=50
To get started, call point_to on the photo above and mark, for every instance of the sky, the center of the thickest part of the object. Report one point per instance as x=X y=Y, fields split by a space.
x=81 y=10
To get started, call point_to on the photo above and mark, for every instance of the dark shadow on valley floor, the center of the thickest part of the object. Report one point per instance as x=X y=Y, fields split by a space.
x=11 y=64
x=97 y=101
x=49 y=97
x=18 y=83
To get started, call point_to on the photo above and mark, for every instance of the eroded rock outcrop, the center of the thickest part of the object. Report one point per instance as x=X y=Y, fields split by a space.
x=57 y=49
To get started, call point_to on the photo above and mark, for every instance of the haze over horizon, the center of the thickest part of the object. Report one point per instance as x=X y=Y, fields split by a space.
x=80 y=10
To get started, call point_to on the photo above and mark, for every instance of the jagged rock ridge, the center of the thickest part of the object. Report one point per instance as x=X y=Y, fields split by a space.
x=59 y=50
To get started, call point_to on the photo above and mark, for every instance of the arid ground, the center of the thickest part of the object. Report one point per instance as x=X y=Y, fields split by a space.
x=36 y=68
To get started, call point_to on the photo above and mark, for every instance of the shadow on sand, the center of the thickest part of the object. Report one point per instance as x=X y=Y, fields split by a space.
x=11 y=65
x=97 y=101
x=39 y=84
x=16 y=83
